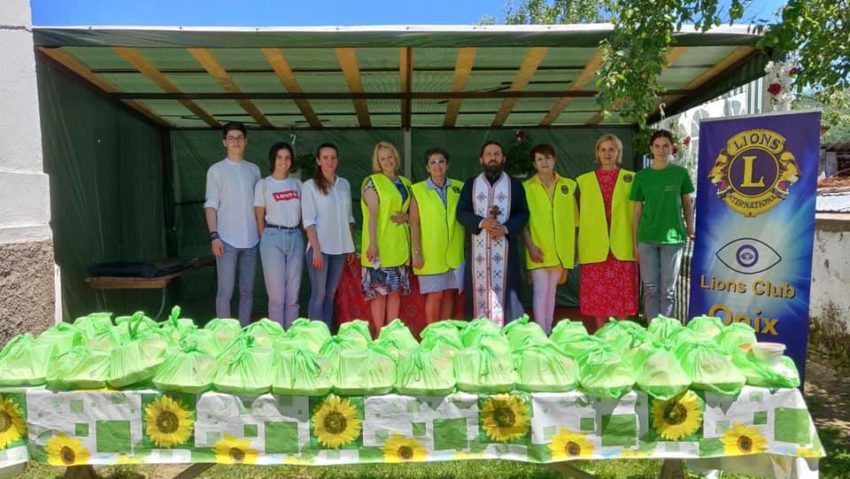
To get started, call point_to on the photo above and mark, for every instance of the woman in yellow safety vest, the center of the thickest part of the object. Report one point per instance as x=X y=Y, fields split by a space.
x=608 y=284
x=385 y=242
x=550 y=236
x=437 y=237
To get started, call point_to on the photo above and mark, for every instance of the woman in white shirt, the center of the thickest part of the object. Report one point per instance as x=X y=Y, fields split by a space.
x=328 y=219
x=277 y=204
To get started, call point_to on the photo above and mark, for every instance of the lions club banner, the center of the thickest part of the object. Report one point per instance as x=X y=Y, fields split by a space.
x=756 y=189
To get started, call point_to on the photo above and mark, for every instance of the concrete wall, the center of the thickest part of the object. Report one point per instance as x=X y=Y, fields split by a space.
x=26 y=246
x=831 y=268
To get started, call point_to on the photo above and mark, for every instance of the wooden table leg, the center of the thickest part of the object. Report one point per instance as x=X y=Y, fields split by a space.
x=672 y=469
x=194 y=470
x=571 y=471
x=80 y=472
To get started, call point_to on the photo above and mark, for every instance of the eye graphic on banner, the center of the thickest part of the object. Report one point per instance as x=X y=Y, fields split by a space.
x=748 y=256
x=754 y=172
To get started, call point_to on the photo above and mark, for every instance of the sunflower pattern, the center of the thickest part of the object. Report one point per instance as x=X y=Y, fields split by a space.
x=568 y=444
x=66 y=451
x=12 y=424
x=335 y=422
x=400 y=448
x=678 y=417
x=232 y=450
x=741 y=440
x=503 y=417
x=167 y=422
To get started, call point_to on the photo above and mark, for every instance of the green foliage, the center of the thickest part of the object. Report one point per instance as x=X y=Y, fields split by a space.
x=548 y=12
x=519 y=161
x=835 y=104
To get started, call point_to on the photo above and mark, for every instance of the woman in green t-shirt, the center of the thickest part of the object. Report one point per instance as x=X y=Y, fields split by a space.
x=663 y=220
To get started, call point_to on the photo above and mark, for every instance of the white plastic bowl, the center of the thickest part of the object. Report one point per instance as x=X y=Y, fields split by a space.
x=769 y=352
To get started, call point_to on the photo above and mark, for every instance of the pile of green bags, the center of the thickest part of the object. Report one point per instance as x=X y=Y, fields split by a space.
x=663 y=360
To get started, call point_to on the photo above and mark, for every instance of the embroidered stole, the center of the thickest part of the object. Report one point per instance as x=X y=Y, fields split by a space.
x=490 y=257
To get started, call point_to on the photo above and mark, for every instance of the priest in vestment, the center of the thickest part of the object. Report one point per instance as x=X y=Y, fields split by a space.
x=493 y=210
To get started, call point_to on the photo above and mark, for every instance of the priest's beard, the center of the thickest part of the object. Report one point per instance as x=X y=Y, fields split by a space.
x=494 y=170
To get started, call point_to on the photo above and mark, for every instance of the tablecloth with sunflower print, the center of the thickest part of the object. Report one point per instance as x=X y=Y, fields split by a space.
x=148 y=426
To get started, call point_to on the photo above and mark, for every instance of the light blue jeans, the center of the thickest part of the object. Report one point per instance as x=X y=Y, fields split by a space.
x=283 y=262
x=225 y=267
x=659 y=268
x=323 y=285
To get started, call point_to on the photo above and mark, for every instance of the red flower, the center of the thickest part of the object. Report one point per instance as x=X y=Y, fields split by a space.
x=774 y=89
x=687 y=141
x=793 y=71
x=675 y=149
x=520 y=135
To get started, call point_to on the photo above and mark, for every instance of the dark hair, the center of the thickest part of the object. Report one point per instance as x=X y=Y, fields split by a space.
x=660 y=134
x=273 y=151
x=544 y=149
x=488 y=143
x=436 y=151
x=233 y=125
x=320 y=180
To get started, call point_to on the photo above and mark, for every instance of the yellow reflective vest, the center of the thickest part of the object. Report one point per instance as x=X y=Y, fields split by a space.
x=393 y=239
x=595 y=236
x=552 y=222
x=442 y=235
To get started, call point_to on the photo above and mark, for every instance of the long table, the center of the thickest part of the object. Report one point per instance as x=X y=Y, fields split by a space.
x=767 y=430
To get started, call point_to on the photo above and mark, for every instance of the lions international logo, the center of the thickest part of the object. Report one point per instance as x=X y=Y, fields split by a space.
x=755 y=172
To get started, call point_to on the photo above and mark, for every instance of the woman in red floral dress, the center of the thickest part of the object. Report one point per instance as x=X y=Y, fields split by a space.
x=608 y=284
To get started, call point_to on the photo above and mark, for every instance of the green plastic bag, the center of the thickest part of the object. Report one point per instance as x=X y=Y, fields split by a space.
x=523 y=331
x=446 y=327
x=567 y=329
x=63 y=336
x=495 y=341
x=301 y=372
x=683 y=336
x=398 y=332
x=314 y=332
x=225 y=331
x=479 y=368
x=605 y=373
x=365 y=371
x=762 y=374
x=206 y=341
x=176 y=326
x=264 y=331
x=104 y=339
x=662 y=329
x=24 y=360
x=189 y=370
x=658 y=373
x=137 y=359
x=707 y=326
x=421 y=373
x=248 y=371
x=336 y=344
x=391 y=346
x=736 y=335
x=123 y=323
x=357 y=327
x=476 y=328
x=622 y=335
x=292 y=342
x=93 y=323
x=80 y=368
x=710 y=368
x=542 y=367
x=443 y=348
x=575 y=346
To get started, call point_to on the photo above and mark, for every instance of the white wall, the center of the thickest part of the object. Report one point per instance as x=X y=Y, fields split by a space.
x=24 y=188
x=831 y=266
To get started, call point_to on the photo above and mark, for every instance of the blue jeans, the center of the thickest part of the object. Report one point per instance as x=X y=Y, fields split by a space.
x=280 y=252
x=323 y=284
x=225 y=266
x=659 y=268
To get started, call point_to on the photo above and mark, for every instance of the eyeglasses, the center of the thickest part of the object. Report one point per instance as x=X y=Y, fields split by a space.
x=235 y=139
x=437 y=162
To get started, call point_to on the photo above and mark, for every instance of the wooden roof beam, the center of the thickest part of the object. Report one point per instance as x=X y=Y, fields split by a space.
x=532 y=60
x=351 y=70
x=71 y=62
x=217 y=71
x=463 y=69
x=405 y=75
x=281 y=67
x=135 y=58
x=579 y=83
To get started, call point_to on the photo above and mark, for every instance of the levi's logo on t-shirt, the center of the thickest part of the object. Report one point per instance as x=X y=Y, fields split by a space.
x=285 y=195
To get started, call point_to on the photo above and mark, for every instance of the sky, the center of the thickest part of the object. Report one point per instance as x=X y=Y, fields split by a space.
x=288 y=12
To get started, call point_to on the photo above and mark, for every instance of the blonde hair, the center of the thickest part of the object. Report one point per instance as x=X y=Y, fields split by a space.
x=613 y=139
x=376 y=166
